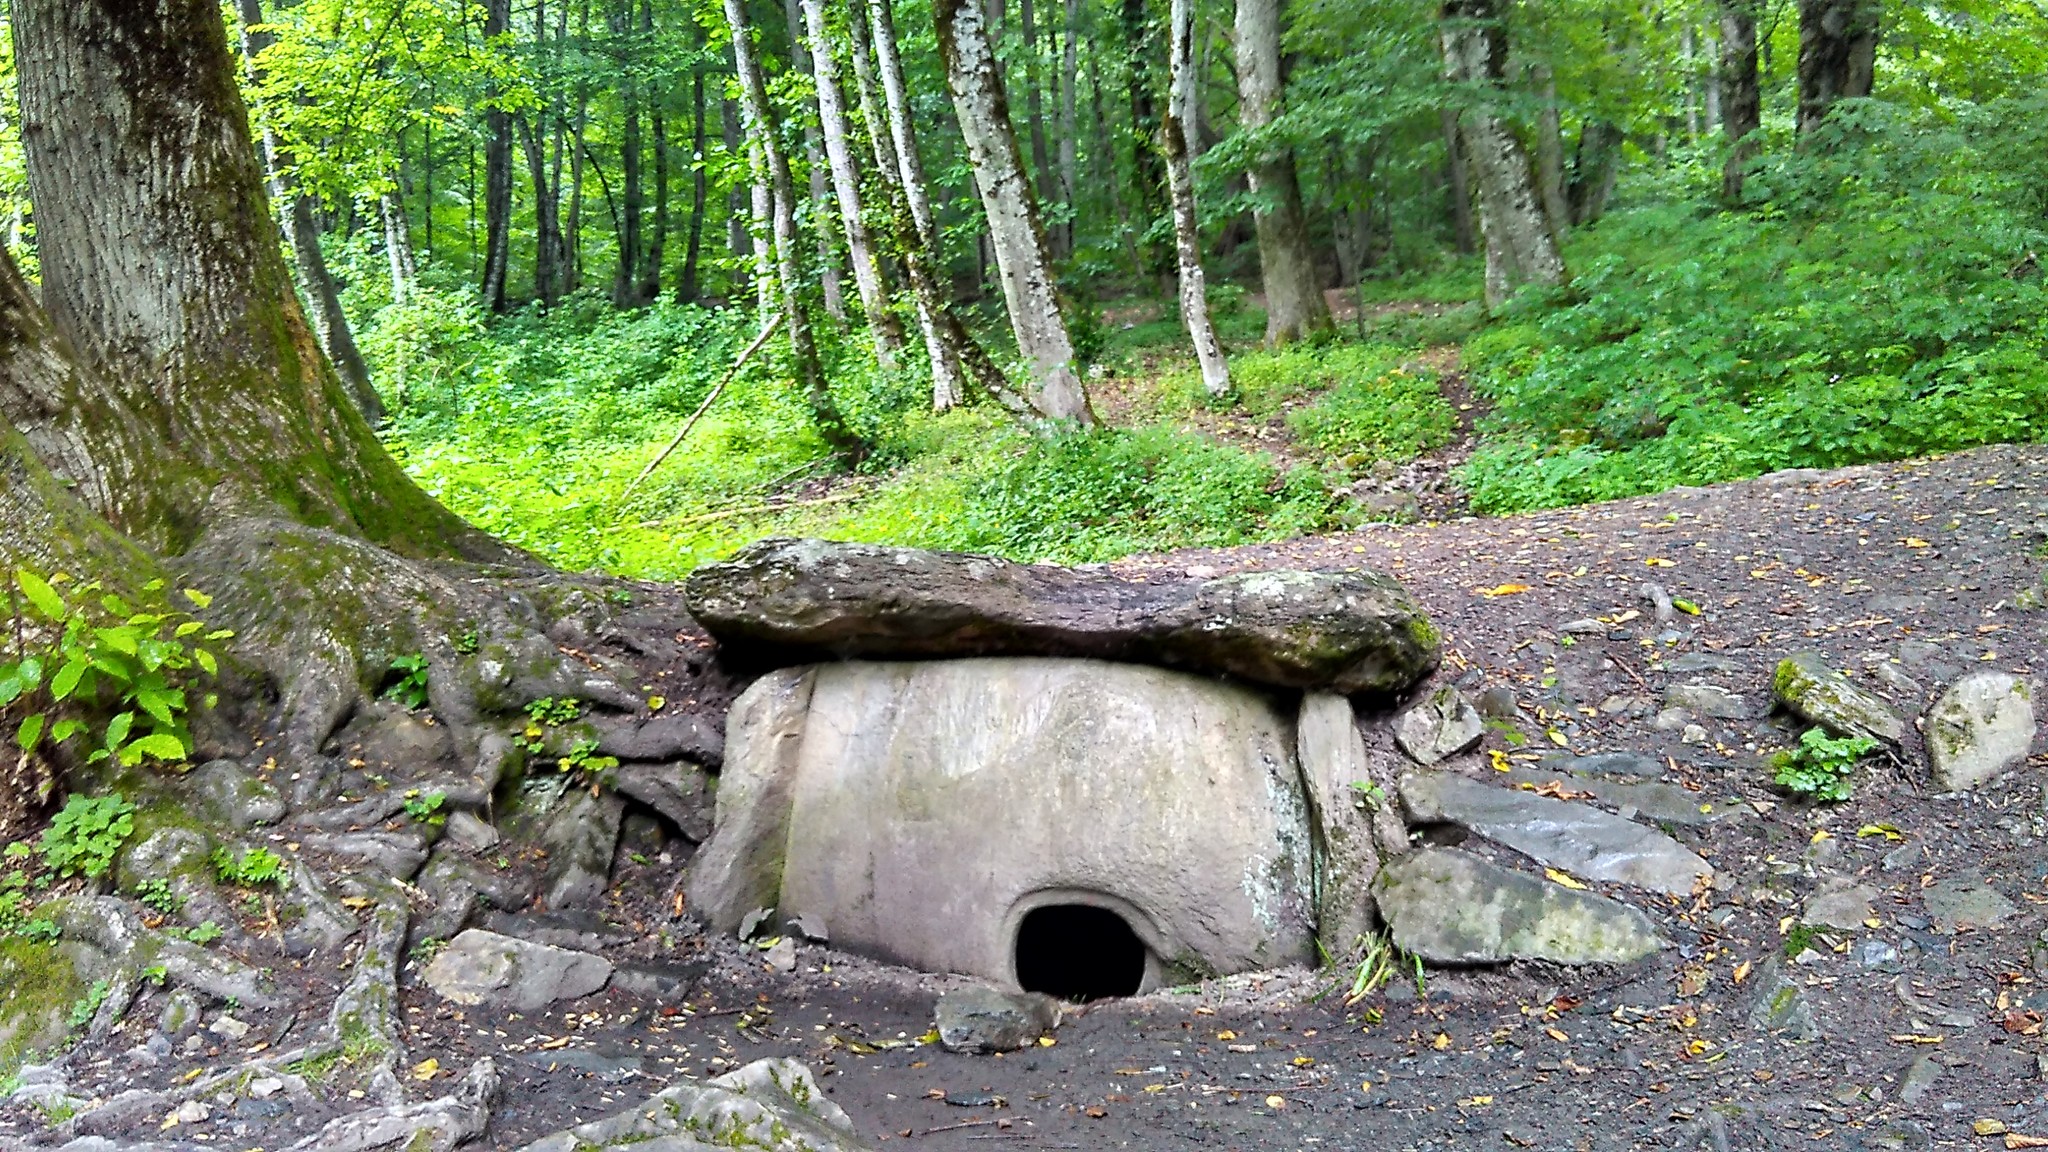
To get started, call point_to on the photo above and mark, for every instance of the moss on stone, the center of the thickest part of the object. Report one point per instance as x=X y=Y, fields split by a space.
x=39 y=983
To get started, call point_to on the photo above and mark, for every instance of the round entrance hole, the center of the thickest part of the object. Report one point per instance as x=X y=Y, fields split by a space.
x=1079 y=952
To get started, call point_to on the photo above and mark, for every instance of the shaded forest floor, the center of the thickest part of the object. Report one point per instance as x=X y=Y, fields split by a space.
x=1757 y=1029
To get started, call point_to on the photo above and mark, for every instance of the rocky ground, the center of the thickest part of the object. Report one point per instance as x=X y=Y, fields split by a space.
x=1867 y=974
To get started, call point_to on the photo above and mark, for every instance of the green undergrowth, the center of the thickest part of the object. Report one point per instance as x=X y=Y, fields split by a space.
x=1878 y=298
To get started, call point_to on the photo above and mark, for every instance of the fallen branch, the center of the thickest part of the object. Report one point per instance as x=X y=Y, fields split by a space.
x=767 y=330
x=756 y=509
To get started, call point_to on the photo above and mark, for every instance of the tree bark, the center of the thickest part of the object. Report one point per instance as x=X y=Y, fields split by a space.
x=760 y=120
x=739 y=243
x=1595 y=165
x=302 y=233
x=1521 y=243
x=1180 y=177
x=1741 y=99
x=1295 y=308
x=894 y=137
x=657 y=124
x=497 y=173
x=1069 y=124
x=688 y=288
x=547 y=207
x=398 y=245
x=1457 y=182
x=1034 y=106
x=626 y=274
x=821 y=183
x=883 y=327
x=1013 y=222
x=1837 y=55
x=1148 y=177
x=217 y=398
x=1550 y=154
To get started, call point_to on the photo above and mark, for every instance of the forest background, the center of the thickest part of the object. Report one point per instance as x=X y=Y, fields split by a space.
x=1579 y=251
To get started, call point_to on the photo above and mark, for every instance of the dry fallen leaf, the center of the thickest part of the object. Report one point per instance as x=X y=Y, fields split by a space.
x=1557 y=1034
x=1442 y=1041
x=1505 y=590
x=1276 y=1102
x=1989 y=1127
x=425 y=1069
x=1742 y=971
x=1475 y=1101
x=1916 y=542
x=1226 y=1034
x=2018 y=1140
x=1558 y=877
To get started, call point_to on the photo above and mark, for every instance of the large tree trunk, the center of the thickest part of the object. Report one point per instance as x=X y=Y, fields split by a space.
x=760 y=121
x=1550 y=154
x=1180 y=177
x=1596 y=163
x=1837 y=55
x=547 y=212
x=302 y=233
x=1295 y=308
x=497 y=174
x=1521 y=243
x=883 y=326
x=1457 y=182
x=1013 y=223
x=894 y=137
x=1741 y=99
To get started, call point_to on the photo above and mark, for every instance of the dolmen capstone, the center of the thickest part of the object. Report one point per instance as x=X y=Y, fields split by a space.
x=955 y=760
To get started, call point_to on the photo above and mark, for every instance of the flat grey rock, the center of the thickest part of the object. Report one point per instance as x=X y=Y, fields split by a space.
x=1443 y=724
x=770 y=1105
x=1708 y=700
x=581 y=836
x=1577 y=838
x=1807 y=687
x=1692 y=663
x=1983 y=725
x=1781 y=1006
x=791 y=601
x=663 y=983
x=1450 y=907
x=1651 y=800
x=983 y=1019
x=1350 y=793
x=1617 y=764
x=1840 y=905
x=1963 y=903
x=480 y=967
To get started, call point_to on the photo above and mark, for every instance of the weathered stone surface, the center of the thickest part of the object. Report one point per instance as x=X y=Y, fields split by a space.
x=681 y=792
x=663 y=738
x=1781 y=1005
x=1981 y=726
x=581 y=836
x=1450 y=907
x=990 y=1020
x=1840 y=904
x=480 y=967
x=1707 y=700
x=225 y=792
x=1351 y=799
x=771 y=1105
x=739 y=869
x=660 y=981
x=790 y=600
x=929 y=806
x=1966 y=902
x=1816 y=693
x=1652 y=800
x=1577 y=838
x=1443 y=724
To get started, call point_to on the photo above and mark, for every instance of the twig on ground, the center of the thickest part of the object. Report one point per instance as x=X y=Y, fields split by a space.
x=767 y=330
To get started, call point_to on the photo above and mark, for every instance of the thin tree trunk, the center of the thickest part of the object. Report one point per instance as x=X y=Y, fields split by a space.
x=547 y=247
x=1013 y=224
x=739 y=242
x=626 y=273
x=688 y=290
x=497 y=174
x=657 y=243
x=759 y=114
x=398 y=245
x=1034 y=107
x=1295 y=308
x=868 y=280
x=1837 y=55
x=1457 y=182
x=1070 y=123
x=302 y=230
x=1105 y=163
x=1741 y=100
x=1180 y=177
x=1550 y=153
x=821 y=182
x=1148 y=179
x=1521 y=243
x=1595 y=165
x=894 y=137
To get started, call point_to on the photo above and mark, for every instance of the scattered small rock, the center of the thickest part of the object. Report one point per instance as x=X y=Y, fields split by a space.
x=1920 y=1075
x=1781 y=1005
x=982 y=1019
x=1708 y=700
x=1816 y=693
x=229 y=1028
x=1444 y=724
x=781 y=956
x=1966 y=903
x=1840 y=905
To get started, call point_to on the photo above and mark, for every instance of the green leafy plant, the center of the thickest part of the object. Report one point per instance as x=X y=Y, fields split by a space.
x=1820 y=767
x=157 y=896
x=467 y=643
x=1798 y=939
x=553 y=711
x=84 y=836
x=16 y=908
x=87 y=1006
x=253 y=868
x=1370 y=794
x=206 y=933
x=1377 y=967
x=95 y=665
x=582 y=757
x=408 y=685
x=425 y=808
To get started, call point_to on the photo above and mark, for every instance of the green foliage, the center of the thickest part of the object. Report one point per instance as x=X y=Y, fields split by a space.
x=426 y=808
x=1820 y=767
x=582 y=756
x=17 y=917
x=1798 y=939
x=1879 y=300
x=85 y=835
x=554 y=711
x=98 y=666
x=1394 y=414
x=408 y=685
x=206 y=933
x=252 y=868
x=157 y=896
x=87 y=1006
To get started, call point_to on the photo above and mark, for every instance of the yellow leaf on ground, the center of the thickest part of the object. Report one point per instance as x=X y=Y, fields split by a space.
x=1989 y=1127
x=425 y=1069
x=1442 y=1041
x=1659 y=562
x=1226 y=1034
x=1505 y=590
x=1916 y=542
x=1564 y=878
x=1499 y=759
x=1475 y=1101
x=1884 y=830
x=1276 y=1102
x=1557 y=1034
x=1046 y=1041
x=1742 y=971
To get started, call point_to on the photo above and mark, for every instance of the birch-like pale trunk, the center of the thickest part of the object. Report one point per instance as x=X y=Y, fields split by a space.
x=916 y=247
x=1521 y=245
x=1069 y=120
x=1023 y=267
x=1034 y=104
x=1295 y=308
x=787 y=278
x=814 y=167
x=868 y=280
x=398 y=246
x=1180 y=186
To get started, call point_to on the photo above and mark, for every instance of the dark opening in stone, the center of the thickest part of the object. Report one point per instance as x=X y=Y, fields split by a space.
x=1078 y=952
